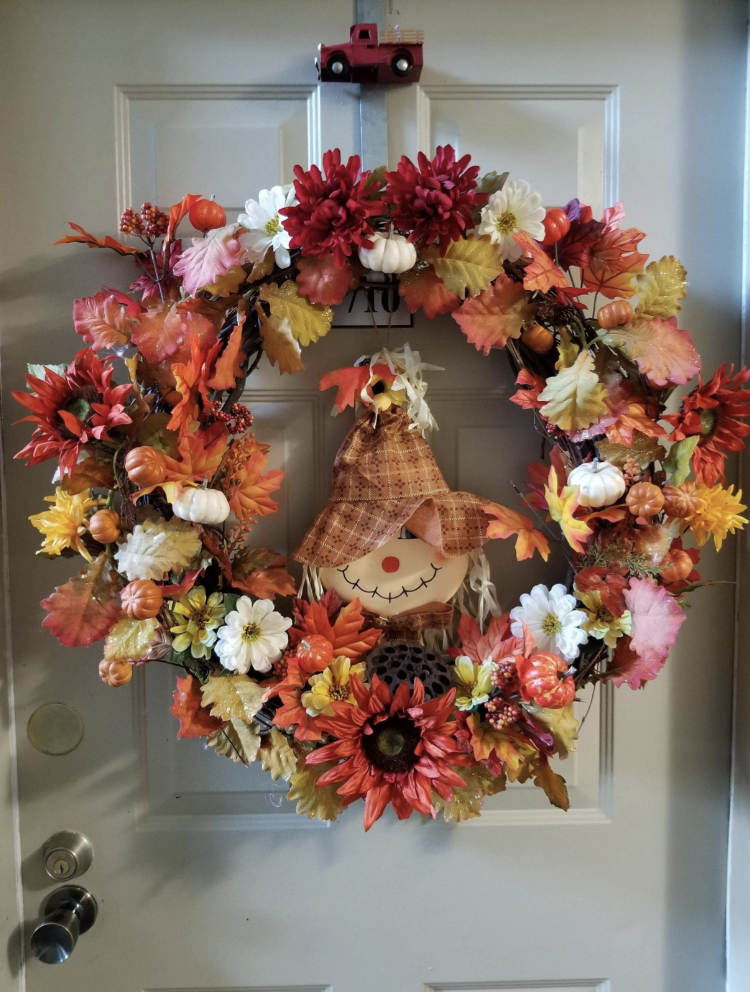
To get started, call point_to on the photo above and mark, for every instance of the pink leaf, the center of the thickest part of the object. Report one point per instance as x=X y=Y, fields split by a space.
x=103 y=321
x=656 y=620
x=207 y=259
x=662 y=353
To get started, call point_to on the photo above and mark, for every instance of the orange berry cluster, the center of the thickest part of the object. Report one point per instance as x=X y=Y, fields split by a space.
x=501 y=714
x=150 y=221
x=238 y=418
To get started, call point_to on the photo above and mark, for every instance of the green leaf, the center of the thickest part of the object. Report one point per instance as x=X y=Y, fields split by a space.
x=376 y=181
x=677 y=462
x=491 y=182
x=230 y=602
x=154 y=432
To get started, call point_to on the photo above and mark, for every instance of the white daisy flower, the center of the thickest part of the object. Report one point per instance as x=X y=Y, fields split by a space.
x=551 y=617
x=512 y=209
x=265 y=224
x=254 y=635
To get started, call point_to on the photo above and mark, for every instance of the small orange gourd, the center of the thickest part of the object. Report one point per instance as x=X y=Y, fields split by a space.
x=315 y=652
x=615 y=314
x=676 y=566
x=141 y=599
x=104 y=526
x=556 y=225
x=538 y=338
x=115 y=673
x=145 y=466
x=644 y=499
x=681 y=501
x=545 y=681
x=205 y=215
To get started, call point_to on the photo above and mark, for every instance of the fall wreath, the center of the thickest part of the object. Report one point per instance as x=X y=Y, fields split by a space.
x=351 y=689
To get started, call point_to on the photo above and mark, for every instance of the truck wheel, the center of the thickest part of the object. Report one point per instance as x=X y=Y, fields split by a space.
x=338 y=66
x=402 y=64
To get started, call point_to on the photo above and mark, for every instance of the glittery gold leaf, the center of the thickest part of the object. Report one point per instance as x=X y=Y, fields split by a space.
x=129 y=639
x=661 y=287
x=561 y=724
x=468 y=265
x=644 y=450
x=236 y=740
x=233 y=697
x=319 y=802
x=280 y=759
x=308 y=322
x=467 y=802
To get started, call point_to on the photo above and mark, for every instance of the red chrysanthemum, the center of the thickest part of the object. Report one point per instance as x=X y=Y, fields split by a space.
x=394 y=750
x=72 y=409
x=433 y=201
x=714 y=412
x=333 y=210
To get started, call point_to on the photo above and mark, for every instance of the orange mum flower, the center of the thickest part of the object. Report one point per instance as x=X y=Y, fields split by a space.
x=714 y=412
x=394 y=750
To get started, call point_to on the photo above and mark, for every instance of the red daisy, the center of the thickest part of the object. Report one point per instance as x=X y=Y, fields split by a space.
x=714 y=412
x=333 y=210
x=434 y=200
x=394 y=750
x=72 y=409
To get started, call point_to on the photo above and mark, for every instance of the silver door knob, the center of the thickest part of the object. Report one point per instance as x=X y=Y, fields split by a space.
x=68 y=912
x=67 y=854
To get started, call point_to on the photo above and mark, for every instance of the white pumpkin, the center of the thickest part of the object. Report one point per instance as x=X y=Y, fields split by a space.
x=389 y=253
x=599 y=483
x=201 y=506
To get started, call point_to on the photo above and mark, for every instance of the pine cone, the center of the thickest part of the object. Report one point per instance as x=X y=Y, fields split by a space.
x=564 y=315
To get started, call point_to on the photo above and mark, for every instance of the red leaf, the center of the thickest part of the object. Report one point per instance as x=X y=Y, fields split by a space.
x=499 y=313
x=627 y=666
x=541 y=273
x=178 y=590
x=93 y=242
x=528 y=399
x=495 y=644
x=610 y=586
x=83 y=610
x=345 y=634
x=426 y=291
x=322 y=281
x=161 y=332
x=177 y=211
x=350 y=383
x=194 y=720
x=656 y=620
x=228 y=368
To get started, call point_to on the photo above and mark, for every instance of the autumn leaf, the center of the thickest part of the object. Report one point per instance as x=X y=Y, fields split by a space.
x=505 y=747
x=574 y=398
x=609 y=584
x=265 y=583
x=157 y=547
x=249 y=488
x=200 y=456
x=84 y=609
x=345 y=634
x=308 y=322
x=236 y=740
x=656 y=619
x=567 y=349
x=661 y=287
x=466 y=803
x=177 y=211
x=233 y=697
x=228 y=367
x=319 y=802
x=421 y=289
x=633 y=412
x=93 y=242
x=541 y=273
x=677 y=462
x=280 y=759
x=349 y=381
x=102 y=321
x=279 y=343
x=662 y=353
x=129 y=639
x=228 y=283
x=208 y=258
x=262 y=266
x=494 y=644
x=155 y=433
x=163 y=332
x=642 y=449
x=468 y=265
x=562 y=507
x=528 y=399
x=194 y=720
x=323 y=282
x=508 y=522
x=497 y=314
x=561 y=723
x=89 y=474
x=552 y=783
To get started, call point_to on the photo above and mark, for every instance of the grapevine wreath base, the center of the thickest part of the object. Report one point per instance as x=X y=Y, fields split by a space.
x=393 y=676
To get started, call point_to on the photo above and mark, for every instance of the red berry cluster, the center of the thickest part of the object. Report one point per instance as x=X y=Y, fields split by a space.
x=238 y=418
x=280 y=668
x=131 y=222
x=505 y=675
x=501 y=714
x=150 y=221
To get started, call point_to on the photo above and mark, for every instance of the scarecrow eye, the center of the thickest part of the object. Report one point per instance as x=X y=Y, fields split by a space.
x=406 y=535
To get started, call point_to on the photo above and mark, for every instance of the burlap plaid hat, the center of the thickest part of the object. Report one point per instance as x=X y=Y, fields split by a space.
x=385 y=477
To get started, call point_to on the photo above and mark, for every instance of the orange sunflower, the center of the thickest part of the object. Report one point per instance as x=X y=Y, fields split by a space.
x=714 y=412
x=395 y=750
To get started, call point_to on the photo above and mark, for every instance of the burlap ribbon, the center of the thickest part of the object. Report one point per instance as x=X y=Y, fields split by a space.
x=407 y=626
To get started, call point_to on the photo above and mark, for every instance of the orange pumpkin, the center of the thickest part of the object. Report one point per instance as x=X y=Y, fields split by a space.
x=644 y=499
x=615 y=314
x=115 y=673
x=145 y=466
x=544 y=680
x=538 y=338
x=681 y=501
x=141 y=599
x=676 y=566
x=315 y=652
x=205 y=215
x=104 y=526
x=652 y=542
x=556 y=225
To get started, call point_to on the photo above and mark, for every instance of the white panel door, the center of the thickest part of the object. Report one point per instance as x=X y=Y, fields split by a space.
x=205 y=879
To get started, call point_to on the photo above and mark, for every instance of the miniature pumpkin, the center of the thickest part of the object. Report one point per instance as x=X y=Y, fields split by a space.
x=104 y=526
x=145 y=466
x=614 y=314
x=115 y=673
x=644 y=499
x=201 y=506
x=141 y=599
x=389 y=253
x=676 y=565
x=205 y=215
x=545 y=681
x=599 y=483
x=315 y=652
x=538 y=338
x=556 y=225
x=652 y=542
x=681 y=501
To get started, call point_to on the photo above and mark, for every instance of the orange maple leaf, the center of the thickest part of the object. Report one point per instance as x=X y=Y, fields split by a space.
x=498 y=313
x=425 y=290
x=228 y=366
x=508 y=522
x=528 y=399
x=345 y=634
x=541 y=274
x=190 y=382
x=93 y=242
x=200 y=455
x=248 y=488
x=350 y=383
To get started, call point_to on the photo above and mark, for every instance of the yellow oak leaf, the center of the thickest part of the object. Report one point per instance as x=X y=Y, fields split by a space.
x=561 y=507
x=568 y=350
x=319 y=802
x=280 y=759
x=308 y=322
x=128 y=639
x=279 y=343
x=233 y=697
x=575 y=398
x=228 y=283
x=467 y=802
x=236 y=740
x=468 y=265
x=661 y=287
x=514 y=753
x=157 y=547
x=561 y=723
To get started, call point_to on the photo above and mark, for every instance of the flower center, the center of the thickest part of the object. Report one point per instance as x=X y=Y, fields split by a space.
x=392 y=745
x=250 y=632
x=506 y=223
x=603 y=615
x=273 y=226
x=708 y=422
x=338 y=693
x=551 y=624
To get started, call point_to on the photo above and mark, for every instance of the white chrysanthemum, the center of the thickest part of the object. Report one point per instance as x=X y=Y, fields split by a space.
x=551 y=617
x=512 y=209
x=265 y=224
x=254 y=635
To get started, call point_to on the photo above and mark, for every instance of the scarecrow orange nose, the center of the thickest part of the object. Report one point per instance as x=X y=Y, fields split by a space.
x=391 y=564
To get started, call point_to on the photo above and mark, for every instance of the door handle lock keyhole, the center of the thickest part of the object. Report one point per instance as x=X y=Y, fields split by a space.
x=68 y=912
x=67 y=855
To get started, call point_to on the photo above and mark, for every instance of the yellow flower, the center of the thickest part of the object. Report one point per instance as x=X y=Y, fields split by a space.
x=197 y=630
x=384 y=395
x=64 y=524
x=600 y=623
x=717 y=515
x=474 y=682
x=331 y=686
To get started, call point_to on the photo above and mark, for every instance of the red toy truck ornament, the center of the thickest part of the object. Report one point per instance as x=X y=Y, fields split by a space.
x=395 y=58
